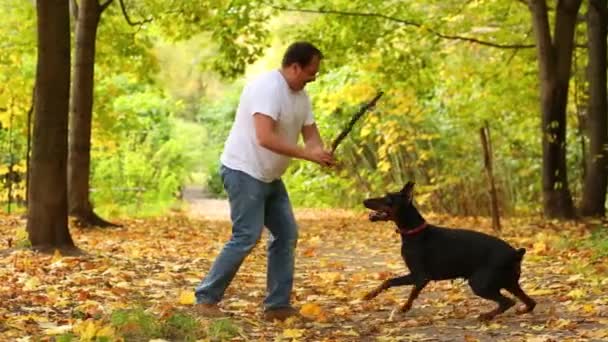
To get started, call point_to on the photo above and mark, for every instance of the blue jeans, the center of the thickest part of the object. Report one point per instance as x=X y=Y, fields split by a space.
x=253 y=205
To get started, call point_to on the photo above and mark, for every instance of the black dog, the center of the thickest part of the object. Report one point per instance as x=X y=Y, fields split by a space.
x=435 y=253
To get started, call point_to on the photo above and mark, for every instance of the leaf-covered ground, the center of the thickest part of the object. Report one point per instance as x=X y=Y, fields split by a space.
x=151 y=266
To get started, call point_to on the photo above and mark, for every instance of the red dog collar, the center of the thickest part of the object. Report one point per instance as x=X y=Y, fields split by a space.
x=412 y=231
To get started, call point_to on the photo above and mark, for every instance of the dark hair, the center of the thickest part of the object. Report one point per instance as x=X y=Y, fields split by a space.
x=301 y=53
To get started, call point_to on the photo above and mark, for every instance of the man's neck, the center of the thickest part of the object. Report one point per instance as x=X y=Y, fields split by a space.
x=286 y=78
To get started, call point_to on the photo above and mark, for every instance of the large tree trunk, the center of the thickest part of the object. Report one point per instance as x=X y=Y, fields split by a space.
x=89 y=13
x=555 y=61
x=47 y=223
x=594 y=189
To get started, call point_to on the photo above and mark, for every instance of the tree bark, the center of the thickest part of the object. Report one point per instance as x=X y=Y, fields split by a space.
x=594 y=188
x=555 y=61
x=486 y=143
x=47 y=223
x=89 y=13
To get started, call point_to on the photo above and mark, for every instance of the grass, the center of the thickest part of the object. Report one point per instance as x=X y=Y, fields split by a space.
x=222 y=329
x=137 y=324
x=597 y=242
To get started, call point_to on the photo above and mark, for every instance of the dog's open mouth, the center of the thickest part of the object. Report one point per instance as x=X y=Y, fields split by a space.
x=378 y=216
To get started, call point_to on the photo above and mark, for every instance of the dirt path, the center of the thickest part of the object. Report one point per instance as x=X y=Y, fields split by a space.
x=157 y=262
x=337 y=264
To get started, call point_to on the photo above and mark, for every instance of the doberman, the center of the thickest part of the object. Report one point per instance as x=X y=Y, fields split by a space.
x=435 y=253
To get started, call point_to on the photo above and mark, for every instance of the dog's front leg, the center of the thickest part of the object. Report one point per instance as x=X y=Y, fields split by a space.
x=413 y=295
x=398 y=281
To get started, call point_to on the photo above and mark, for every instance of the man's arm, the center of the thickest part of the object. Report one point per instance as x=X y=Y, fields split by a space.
x=312 y=138
x=268 y=138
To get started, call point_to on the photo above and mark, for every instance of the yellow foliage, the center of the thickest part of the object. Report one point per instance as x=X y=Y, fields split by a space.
x=89 y=330
x=187 y=298
x=293 y=333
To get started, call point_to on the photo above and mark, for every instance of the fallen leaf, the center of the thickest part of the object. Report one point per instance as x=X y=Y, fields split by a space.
x=187 y=298
x=293 y=333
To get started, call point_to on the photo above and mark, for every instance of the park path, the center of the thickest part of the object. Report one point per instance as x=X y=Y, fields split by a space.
x=333 y=254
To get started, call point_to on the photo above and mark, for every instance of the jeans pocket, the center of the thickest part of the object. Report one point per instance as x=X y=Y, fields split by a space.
x=232 y=180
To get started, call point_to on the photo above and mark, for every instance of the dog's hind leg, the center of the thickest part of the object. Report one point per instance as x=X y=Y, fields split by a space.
x=398 y=281
x=529 y=303
x=481 y=284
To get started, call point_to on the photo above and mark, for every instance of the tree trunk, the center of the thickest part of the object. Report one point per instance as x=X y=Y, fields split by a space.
x=555 y=61
x=594 y=188
x=47 y=223
x=486 y=143
x=89 y=13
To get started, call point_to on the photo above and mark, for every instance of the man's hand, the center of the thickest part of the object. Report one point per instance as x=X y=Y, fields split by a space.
x=320 y=156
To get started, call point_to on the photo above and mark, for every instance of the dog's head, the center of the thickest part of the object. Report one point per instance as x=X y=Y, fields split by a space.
x=394 y=206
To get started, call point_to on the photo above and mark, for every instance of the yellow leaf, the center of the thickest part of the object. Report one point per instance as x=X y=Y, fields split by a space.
x=331 y=277
x=365 y=131
x=31 y=284
x=293 y=333
x=540 y=292
x=56 y=257
x=351 y=332
x=589 y=308
x=577 y=294
x=86 y=330
x=106 y=331
x=187 y=298
x=539 y=247
x=21 y=234
x=53 y=329
x=311 y=310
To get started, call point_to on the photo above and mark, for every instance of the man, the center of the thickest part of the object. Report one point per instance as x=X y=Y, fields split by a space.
x=273 y=110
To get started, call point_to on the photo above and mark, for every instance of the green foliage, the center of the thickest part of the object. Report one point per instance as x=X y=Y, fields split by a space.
x=153 y=158
x=439 y=93
x=217 y=118
x=22 y=239
x=162 y=110
x=66 y=338
x=136 y=324
x=17 y=70
x=181 y=327
x=222 y=329
x=597 y=241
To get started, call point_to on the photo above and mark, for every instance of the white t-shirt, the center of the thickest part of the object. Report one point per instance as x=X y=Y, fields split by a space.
x=268 y=94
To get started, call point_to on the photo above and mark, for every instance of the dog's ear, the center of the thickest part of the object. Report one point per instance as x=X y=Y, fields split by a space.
x=408 y=190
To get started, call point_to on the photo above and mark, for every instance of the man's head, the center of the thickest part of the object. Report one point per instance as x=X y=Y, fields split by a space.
x=300 y=64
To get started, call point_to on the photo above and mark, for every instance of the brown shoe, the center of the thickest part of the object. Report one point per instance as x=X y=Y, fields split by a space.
x=280 y=314
x=209 y=310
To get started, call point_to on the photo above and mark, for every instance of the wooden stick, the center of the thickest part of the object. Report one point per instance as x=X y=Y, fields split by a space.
x=353 y=120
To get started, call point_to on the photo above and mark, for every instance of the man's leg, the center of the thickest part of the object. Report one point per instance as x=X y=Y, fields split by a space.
x=246 y=195
x=279 y=219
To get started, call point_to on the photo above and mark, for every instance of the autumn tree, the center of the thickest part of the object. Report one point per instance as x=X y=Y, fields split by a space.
x=47 y=222
x=554 y=67
x=595 y=182
x=88 y=14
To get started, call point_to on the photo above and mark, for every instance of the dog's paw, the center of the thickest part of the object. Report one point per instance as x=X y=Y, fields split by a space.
x=524 y=309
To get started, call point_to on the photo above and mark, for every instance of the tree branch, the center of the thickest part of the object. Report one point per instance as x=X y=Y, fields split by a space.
x=404 y=22
x=126 y=15
x=105 y=5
